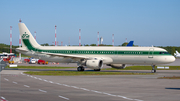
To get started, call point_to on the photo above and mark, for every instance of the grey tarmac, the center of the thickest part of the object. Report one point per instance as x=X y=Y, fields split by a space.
x=16 y=86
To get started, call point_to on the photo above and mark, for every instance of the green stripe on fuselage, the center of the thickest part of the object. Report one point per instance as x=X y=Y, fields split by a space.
x=93 y=52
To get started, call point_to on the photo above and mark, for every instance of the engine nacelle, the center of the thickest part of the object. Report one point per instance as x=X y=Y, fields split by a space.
x=118 y=66
x=94 y=64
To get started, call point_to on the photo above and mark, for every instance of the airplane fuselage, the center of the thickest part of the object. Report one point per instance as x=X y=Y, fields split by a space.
x=111 y=55
x=93 y=57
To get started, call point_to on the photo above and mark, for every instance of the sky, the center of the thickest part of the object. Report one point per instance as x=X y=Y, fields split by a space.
x=146 y=22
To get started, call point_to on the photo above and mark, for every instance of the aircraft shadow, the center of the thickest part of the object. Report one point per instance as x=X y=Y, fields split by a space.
x=173 y=88
x=76 y=70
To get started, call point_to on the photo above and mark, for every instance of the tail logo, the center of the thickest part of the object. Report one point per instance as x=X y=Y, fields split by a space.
x=25 y=36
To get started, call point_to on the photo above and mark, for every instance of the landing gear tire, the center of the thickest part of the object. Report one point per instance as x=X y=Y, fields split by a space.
x=97 y=69
x=80 y=68
x=153 y=71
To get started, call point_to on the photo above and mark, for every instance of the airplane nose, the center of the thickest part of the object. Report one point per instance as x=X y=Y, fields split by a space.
x=171 y=59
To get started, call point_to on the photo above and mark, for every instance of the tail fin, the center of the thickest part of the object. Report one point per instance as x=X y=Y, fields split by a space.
x=28 y=40
x=130 y=43
x=177 y=52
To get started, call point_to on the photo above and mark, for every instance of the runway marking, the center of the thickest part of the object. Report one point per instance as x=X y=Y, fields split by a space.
x=39 y=78
x=45 y=80
x=14 y=82
x=109 y=94
x=64 y=97
x=26 y=86
x=6 y=79
x=106 y=93
x=75 y=87
x=85 y=90
x=58 y=83
x=3 y=98
x=128 y=98
x=65 y=85
x=112 y=95
x=42 y=91
x=96 y=91
x=138 y=100
x=23 y=73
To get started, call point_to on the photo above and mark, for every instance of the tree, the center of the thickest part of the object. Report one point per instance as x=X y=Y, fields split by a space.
x=45 y=44
x=124 y=44
x=93 y=45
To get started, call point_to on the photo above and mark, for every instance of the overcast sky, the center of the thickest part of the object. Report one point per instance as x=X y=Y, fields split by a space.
x=147 y=22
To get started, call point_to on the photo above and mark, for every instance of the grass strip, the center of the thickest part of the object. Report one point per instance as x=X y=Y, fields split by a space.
x=40 y=67
x=144 y=68
x=77 y=73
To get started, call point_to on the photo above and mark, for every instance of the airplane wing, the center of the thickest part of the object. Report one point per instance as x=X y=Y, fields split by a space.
x=66 y=55
x=78 y=57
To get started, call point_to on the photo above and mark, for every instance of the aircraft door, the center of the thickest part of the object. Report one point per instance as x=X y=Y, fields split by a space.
x=116 y=53
x=150 y=53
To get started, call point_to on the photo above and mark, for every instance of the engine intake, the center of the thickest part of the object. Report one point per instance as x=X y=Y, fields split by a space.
x=94 y=64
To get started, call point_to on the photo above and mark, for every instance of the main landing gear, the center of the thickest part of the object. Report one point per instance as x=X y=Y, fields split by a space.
x=153 y=69
x=97 y=69
x=80 y=68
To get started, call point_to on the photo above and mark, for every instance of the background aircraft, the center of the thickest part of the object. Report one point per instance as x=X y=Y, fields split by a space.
x=177 y=54
x=130 y=43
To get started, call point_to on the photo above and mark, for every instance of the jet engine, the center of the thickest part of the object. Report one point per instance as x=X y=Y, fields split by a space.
x=94 y=64
x=117 y=66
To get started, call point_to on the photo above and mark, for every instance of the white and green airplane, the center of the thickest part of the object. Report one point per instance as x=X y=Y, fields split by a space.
x=93 y=57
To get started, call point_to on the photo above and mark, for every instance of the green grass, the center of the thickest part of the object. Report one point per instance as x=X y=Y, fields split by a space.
x=39 y=67
x=174 y=77
x=77 y=73
x=144 y=68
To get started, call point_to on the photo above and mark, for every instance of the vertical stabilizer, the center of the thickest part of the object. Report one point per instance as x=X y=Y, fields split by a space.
x=177 y=52
x=26 y=35
x=130 y=43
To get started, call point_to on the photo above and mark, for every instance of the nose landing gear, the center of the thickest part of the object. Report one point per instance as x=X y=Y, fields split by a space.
x=153 y=69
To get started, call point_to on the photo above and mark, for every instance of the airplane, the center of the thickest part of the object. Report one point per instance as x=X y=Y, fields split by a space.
x=130 y=43
x=92 y=56
x=177 y=54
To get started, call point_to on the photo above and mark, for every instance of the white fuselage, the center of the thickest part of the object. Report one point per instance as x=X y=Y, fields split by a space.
x=92 y=57
x=134 y=54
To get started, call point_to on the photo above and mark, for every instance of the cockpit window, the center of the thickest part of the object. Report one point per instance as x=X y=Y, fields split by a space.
x=163 y=53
